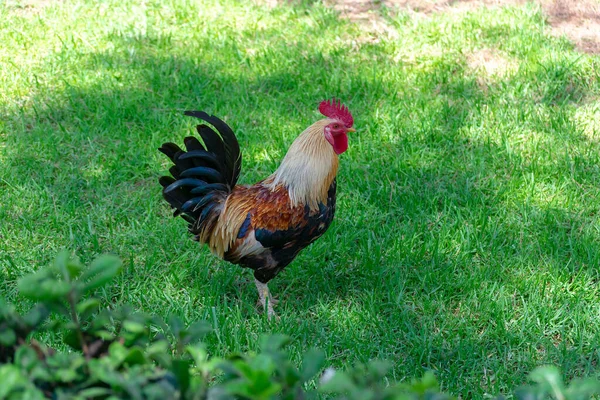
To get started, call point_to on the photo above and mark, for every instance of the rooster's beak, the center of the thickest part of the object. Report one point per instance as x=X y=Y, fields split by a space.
x=351 y=130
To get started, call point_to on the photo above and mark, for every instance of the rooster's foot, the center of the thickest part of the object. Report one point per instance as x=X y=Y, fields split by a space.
x=266 y=300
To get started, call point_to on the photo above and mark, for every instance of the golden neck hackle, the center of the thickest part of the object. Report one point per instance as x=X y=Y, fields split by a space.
x=308 y=168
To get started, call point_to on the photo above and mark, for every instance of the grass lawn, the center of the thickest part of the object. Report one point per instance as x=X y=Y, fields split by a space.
x=467 y=234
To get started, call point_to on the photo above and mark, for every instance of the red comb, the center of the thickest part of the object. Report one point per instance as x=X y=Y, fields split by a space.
x=336 y=110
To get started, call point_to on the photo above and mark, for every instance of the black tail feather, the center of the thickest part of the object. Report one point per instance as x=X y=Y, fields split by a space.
x=174 y=171
x=165 y=180
x=191 y=143
x=196 y=203
x=213 y=142
x=209 y=174
x=176 y=185
x=209 y=188
x=169 y=149
x=203 y=174
x=233 y=155
x=202 y=157
x=189 y=219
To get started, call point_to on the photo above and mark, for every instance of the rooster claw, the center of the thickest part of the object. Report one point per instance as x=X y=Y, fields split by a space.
x=266 y=301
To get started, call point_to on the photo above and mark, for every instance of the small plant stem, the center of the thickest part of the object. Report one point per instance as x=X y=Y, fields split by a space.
x=75 y=318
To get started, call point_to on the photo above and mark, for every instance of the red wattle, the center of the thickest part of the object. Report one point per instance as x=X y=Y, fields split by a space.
x=340 y=143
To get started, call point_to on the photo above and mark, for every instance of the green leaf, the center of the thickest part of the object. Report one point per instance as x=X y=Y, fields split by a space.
x=8 y=337
x=74 y=267
x=196 y=332
x=340 y=382
x=583 y=388
x=36 y=315
x=101 y=271
x=94 y=392
x=262 y=362
x=313 y=361
x=71 y=338
x=5 y=308
x=104 y=334
x=160 y=352
x=530 y=393
x=198 y=353
x=69 y=268
x=134 y=327
x=86 y=308
x=102 y=320
x=550 y=376
x=103 y=370
x=273 y=343
x=379 y=368
x=60 y=264
x=428 y=383
x=135 y=356
x=26 y=357
x=219 y=393
x=43 y=286
x=181 y=369
x=158 y=347
x=202 y=361
x=244 y=369
x=176 y=325
x=15 y=384
x=117 y=353
x=259 y=389
x=160 y=390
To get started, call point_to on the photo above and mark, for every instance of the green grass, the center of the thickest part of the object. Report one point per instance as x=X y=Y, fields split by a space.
x=467 y=236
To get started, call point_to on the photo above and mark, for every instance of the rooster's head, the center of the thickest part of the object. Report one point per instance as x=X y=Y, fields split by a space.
x=336 y=132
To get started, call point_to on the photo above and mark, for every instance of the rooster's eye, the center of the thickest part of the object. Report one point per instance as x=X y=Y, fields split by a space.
x=335 y=126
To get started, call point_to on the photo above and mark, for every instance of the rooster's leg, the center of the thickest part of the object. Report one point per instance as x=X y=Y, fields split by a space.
x=265 y=298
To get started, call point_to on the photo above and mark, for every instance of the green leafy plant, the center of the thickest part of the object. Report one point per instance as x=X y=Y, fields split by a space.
x=550 y=384
x=118 y=353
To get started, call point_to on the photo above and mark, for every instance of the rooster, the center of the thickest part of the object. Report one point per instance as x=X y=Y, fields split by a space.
x=266 y=225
